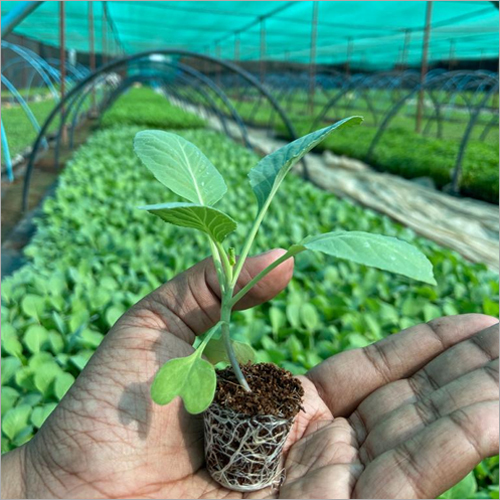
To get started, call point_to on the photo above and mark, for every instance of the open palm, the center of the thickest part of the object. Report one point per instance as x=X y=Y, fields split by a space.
x=404 y=418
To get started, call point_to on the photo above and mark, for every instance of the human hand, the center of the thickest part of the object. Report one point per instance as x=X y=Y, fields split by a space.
x=107 y=439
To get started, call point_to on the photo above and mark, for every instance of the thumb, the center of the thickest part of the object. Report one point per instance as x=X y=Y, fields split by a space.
x=189 y=304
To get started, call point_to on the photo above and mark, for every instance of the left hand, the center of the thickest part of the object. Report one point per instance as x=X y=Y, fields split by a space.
x=390 y=437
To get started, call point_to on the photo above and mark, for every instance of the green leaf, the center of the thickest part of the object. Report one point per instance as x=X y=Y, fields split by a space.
x=268 y=174
x=45 y=375
x=59 y=322
x=24 y=378
x=431 y=312
x=81 y=359
x=40 y=414
x=56 y=342
x=215 y=352
x=356 y=340
x=12 y=346
x=9 y=368
x=90 y=339
x=62 y=384
x=5 y=441
x=113 y=314
x=383 y=252
x=23 y=436
x=35 y=337
x=277 y=318
x=294 y=346
x=191 y=378
x=9 y=397
x=31 y=399
x=293 y=315
x=33 y=306
x=180 y=166
x=40 y=359
x=309 y=316
x=466 y=488
x=206 y=219
x=15 y=420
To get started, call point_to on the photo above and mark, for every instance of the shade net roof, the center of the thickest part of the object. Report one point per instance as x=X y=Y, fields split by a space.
x=372 y=35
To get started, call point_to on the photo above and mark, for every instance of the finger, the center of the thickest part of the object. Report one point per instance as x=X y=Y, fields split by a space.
x=330 y=451
x=460 y=359
x=348 y=378
x=435 y=459
x=402 y=424
x=189 y=304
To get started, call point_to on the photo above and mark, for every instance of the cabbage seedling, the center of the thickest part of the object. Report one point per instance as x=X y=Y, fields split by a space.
x=247 y=425
x=185 y=170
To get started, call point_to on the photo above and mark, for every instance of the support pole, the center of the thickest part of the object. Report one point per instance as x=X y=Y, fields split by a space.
x=6 y=155
x=218 y=68
x=62 y=58
x=423 y=68
x=237 y=56
x=451 y=57
x=312 y=58
x=91 y=44
x=104 y=41
x=236 y=47
x=348 y=57
x=406 y=48
x=62 y=48
x=262 y=49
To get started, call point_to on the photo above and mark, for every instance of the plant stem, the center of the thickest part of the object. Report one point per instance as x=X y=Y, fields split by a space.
x=218 y=267
x=228 y=268
x=225 y=274
x=262 y=274
x=248 y=242
x=226 y=317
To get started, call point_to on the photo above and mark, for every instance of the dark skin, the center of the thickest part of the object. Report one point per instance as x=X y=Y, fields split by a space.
x=404 y=418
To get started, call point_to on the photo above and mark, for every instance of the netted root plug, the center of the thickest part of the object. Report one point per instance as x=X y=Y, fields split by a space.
x=244 y=453
x=245 y=432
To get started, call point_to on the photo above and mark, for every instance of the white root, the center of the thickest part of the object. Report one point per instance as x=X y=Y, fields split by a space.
x=243 y=453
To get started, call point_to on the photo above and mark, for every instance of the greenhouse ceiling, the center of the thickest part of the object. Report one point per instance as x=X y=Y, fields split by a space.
x=376 y=35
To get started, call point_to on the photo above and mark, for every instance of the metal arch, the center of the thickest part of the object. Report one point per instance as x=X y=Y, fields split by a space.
x=16 y=15
x=211 y=101
x=355 y=83
x=6 y=152
x=32 y=119
x=22 y=103
x=135 y=57
x=459 y=83
x=465 y=139
x=82 y=97
x=67 y=112
x=197 y=75
x=23 y=63
x=78 y=72
x=150 y=78
x=218 y=91
x=488 y=127
x=32 y=57
x=443 y=81
x=388 y=118
x=158 y=76
x=35 y=63
x=221 y=94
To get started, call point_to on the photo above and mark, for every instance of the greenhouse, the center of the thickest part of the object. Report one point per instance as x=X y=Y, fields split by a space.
x=250 y=249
